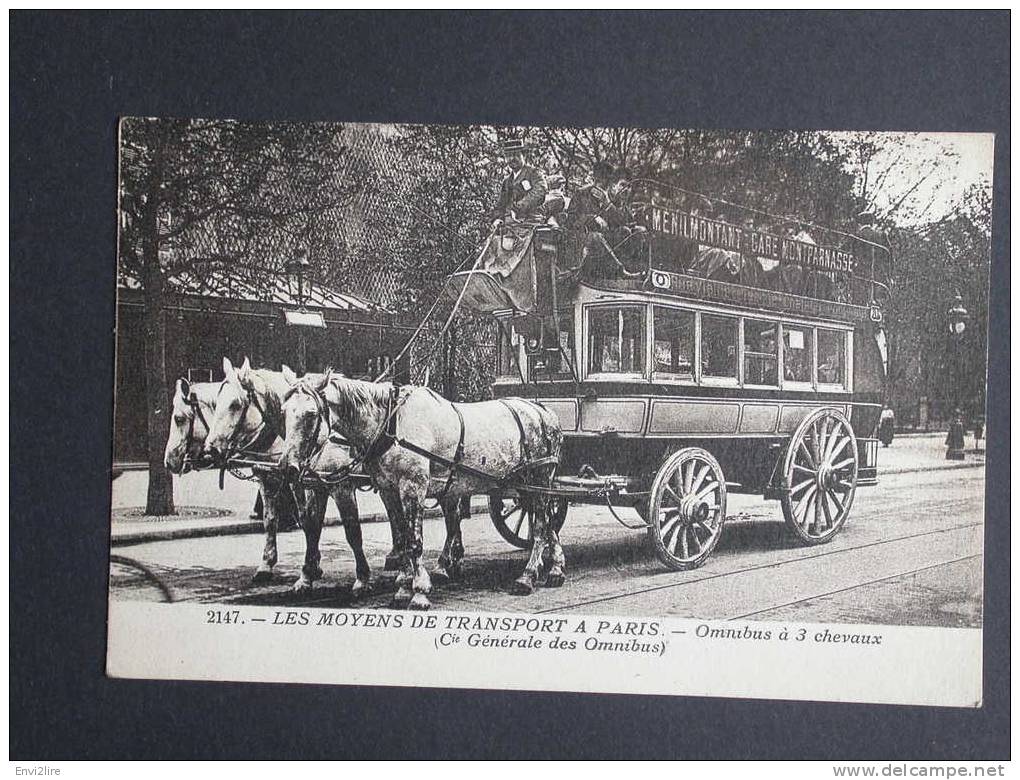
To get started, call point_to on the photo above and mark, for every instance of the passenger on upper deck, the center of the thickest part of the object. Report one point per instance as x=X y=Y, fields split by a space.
x=523 y=191
x=594 y=213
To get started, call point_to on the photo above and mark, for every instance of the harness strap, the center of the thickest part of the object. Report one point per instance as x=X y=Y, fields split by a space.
x=458 y=454
x=520 y=427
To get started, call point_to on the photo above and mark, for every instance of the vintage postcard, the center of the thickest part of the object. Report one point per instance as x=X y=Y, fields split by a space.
x=626 y=410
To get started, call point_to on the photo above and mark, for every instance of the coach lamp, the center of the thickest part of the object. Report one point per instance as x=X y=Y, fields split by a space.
x=958 y=317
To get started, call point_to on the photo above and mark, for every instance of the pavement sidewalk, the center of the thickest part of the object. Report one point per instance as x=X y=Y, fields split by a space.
x=233 y=504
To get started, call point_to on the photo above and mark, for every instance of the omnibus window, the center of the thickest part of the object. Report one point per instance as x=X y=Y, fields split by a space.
x=798 y=353
x=557 y=355
x=718 y=346
x=506 y=364
x=674 y=341
x=761 y=353
x=616 y=340
x=831 y=357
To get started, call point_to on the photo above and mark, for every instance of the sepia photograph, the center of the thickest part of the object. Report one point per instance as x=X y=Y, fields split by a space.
x=731 y=377
x=510 y=385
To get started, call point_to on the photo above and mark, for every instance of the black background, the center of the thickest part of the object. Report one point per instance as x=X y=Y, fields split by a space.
x=73 y=75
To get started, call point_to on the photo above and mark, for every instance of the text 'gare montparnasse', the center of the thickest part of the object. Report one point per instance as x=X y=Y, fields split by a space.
x=753 y=242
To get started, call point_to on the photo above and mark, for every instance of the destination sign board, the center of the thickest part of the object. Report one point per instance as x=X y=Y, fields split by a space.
x=758 y=298
x=747 y=241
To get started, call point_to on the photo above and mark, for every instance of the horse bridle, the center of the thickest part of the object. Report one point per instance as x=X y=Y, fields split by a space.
x=250 y=399
x=383 y=438
x=322 y=413
x=189 y=440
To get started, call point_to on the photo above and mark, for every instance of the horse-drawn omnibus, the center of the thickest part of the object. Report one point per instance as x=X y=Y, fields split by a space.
x=727 y=352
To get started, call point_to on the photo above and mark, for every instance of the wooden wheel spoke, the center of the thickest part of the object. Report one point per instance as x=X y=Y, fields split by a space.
x=804 y=505
x=813 y=446
x=696 y=485
x=842 y=464
x=688 y=469
x=520 y=522
x=804 y=469
x=667 y=527
x=830 y=445
x=683 y=542
x=695 y=539
x=822 y=426
x=839 y=447
x=800 y=486
x=708 y=489
x=835 y=499
x=802 y=449
x=825 y=510
x=672 y=492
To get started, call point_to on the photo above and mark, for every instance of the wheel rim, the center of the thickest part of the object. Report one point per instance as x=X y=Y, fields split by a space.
x=821 y=476
x=512 y=521
x=687 y=508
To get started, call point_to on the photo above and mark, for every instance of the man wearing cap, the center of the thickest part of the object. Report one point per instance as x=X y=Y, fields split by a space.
x=523 y=191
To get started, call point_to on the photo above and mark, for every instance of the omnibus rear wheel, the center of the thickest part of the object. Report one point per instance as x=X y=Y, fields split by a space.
x=819 y=476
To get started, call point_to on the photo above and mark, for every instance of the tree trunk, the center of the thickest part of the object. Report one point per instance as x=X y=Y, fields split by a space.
x=160 y=497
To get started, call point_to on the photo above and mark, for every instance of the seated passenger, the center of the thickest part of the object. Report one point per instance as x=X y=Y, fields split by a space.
x=556 y=200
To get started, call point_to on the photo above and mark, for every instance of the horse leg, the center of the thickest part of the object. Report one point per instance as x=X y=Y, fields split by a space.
x=348 y=506
x=414 y=515
x=526 y=583
x=264 y=573
x=391 y=500
x=312 y=513
x=396 y=534
x=557 y=570
x=453 y=549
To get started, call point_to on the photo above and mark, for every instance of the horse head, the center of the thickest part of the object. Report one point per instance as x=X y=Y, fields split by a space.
x=306 y=418
x=237 y=417
x=189 y=425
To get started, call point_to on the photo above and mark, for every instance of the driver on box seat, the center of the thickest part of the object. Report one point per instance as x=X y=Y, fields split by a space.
x=522 y=193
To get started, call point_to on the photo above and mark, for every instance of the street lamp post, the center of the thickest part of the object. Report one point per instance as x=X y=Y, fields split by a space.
x=958 y=317
x=296 y=269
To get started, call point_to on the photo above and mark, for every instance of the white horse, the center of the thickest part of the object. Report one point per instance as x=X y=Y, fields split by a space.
x=248 y=418
x=416 y=444
x=194 y=407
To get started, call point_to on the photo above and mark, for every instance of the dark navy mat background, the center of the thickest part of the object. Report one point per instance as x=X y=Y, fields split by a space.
x=73 y=75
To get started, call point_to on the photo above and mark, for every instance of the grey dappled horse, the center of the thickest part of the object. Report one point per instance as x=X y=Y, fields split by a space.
x=507 y=439
x=248 y=418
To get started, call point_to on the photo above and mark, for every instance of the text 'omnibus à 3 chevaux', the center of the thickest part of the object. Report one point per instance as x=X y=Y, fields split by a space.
x=703 y=349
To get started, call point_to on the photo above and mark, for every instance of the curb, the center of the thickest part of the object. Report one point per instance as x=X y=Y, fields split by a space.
x=252 y=527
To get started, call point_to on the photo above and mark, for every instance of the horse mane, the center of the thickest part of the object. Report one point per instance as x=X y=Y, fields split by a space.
x=355 y=394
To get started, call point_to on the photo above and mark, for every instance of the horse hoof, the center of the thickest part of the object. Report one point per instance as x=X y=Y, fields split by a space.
x=555 y=579
x=315 y=574
x=523 y=586
x=420 y=602
x=441 y=576
x=392 y=563
x=400 y=599
x=302 y=585
x=360 y=588
x=262 y=576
